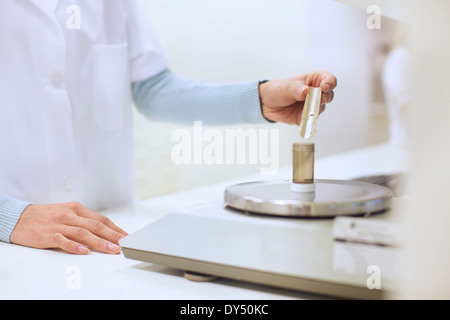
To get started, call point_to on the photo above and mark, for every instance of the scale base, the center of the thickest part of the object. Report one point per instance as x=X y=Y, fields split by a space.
x=331 y=198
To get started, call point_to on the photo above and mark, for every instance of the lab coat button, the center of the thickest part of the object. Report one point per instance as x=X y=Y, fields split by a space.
x=70 y=183
x=57 y=80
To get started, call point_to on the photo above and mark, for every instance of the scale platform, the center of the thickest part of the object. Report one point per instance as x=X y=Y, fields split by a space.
x=331 y=198
x=214 y=242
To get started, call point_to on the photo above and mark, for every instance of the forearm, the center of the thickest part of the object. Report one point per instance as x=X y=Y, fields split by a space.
x=10 y=211
x=169 y=97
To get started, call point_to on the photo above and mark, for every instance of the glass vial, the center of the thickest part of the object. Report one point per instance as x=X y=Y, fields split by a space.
x=303 y=167
x=310 y=113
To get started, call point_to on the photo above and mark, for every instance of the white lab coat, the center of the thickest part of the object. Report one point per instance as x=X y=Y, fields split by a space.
x=65 y=98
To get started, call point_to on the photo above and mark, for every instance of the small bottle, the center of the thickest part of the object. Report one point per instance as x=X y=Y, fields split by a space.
x=303 y=167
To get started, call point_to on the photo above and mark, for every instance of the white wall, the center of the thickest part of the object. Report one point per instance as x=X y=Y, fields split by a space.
x=339 y=41
x=238 y=40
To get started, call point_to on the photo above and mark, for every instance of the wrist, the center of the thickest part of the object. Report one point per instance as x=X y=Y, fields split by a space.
x=11 y=210
x=261 y=88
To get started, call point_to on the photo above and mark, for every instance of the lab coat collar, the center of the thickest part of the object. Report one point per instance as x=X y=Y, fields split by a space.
x=47 y=6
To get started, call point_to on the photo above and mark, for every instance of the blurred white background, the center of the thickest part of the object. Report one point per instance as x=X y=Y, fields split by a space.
x=239 y=40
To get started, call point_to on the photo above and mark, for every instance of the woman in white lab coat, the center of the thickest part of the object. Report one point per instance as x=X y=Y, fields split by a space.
x=69 y=71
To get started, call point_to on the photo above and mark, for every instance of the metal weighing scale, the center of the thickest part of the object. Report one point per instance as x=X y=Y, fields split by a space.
x=284 y=239
x=314 y=199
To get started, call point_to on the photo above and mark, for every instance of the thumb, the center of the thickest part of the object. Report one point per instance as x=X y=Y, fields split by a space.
x=296 y=91
x=300 y=94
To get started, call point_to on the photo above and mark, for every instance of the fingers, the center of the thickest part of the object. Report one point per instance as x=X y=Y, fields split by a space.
x=322 y=108
x=327 y=82
x=91 y=240
x=58 y=240
x=98 y=228
x=64 y=241
x=77 y=240
x=81 y=227
x=82 y=211
x=322 y=79
x=327 y=97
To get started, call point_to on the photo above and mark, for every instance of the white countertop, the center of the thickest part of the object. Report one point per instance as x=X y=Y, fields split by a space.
x=27 y=273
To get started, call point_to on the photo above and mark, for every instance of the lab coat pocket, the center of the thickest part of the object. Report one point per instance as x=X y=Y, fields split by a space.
x=111 y=92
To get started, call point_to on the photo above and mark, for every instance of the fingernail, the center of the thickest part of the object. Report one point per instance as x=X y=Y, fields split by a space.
x=305 y=88
x=326 y=88
x=113 y=248
x=83 y=250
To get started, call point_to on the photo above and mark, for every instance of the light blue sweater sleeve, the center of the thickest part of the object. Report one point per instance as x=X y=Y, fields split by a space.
x=10 y=211
x=172 y=98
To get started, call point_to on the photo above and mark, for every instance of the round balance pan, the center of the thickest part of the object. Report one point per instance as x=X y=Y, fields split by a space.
x=331 y=198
